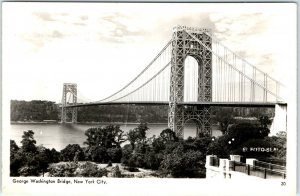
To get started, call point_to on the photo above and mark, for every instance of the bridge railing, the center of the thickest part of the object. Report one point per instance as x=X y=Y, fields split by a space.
x=270 y=166
x=262 y=172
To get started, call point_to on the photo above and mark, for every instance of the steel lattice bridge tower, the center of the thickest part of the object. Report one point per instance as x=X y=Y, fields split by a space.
x=69 y=98
x=192 y=74
x=184 y=44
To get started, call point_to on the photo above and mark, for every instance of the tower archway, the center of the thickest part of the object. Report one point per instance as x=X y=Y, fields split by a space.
x=190 y=79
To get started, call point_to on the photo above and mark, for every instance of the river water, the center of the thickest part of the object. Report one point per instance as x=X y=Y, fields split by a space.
x=58 y=136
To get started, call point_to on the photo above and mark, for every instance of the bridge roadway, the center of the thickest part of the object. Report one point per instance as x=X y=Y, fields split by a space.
x=220 y=104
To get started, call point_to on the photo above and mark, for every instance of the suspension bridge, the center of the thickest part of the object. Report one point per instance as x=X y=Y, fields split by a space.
x=192 y=73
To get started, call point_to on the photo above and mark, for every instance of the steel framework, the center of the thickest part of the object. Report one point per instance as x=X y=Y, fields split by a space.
x=69 y=98
x=183 y=45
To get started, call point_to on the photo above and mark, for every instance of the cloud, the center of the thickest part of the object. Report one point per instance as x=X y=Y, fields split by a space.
x=79 y=23
x=44 y=16
x=238 y=24
x=84 y=17
x=116 y=28
x=38 y=39
x=56 y=34
x=51 y=26
x=248 y=35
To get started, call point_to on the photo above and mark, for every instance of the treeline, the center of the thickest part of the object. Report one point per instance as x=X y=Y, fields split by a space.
x=35 y=110
x=123 y=113
x=38 y=110
x=167 y=154
x=46 y=110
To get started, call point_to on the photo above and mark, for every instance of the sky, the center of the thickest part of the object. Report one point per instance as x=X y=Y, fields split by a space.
x=102 y=46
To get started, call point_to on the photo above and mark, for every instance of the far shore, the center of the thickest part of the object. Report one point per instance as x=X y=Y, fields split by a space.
x=83 y=123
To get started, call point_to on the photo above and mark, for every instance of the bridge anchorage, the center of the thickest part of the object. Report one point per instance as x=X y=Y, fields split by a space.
x=69 y=97
x=218 y=78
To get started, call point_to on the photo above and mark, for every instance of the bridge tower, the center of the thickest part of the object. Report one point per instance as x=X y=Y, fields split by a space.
x=183 y=45
x=69 y=97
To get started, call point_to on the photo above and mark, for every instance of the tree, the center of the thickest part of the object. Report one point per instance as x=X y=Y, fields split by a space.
x=97 y=154
x=29 y=154
x=104 y=144
x=89 y=169
x=237 y=137
x=30 y=160
x=281 y=134
x=245 y=131
x=158 y=145
x=153 y=159
x=138 y=134
x=219 y=147
x=63 y=170
x=181 y=163
x=43 y=158
x=16 y=159
x=13 y=147
x=168 y=135
x=55 y=156
x=110 y=136
x=264 y=121
x=114 y=154
x=69 y=152
x=132 y=137
x=225 y=117
x=116 y=173
x=28 y=142
x=279 y=145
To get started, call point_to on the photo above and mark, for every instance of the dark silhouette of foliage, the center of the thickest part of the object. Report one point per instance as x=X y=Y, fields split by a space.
x=89 y=169
x=167 y=135
x=104 y=144
x=35 y=110
x=55 y=156
x=38 y=110
x=181 y=163
x=28 y=142
x=264 y=121
x=69 y=152
x=116 y=173
x=63 y=170
x=239 y=136
x=16 y=159
x=137 y=134
x=225 y=117
x=126 y=154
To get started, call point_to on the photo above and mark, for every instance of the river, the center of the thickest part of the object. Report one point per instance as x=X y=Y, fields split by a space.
x=58 y=136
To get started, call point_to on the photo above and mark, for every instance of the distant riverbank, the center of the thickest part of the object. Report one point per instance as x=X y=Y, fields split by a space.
x=83 y=123
x=92 y=123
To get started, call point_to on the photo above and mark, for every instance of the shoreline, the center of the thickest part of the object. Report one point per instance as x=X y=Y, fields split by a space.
x=84 y=123
x=90 y=123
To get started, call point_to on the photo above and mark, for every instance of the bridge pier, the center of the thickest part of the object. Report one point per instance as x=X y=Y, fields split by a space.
x=280 y=119
x=201 y=115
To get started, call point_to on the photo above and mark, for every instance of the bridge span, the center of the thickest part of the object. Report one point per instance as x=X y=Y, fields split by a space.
x=220 y=104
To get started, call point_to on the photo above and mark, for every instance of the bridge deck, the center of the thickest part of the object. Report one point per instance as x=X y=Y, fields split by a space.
x=221 y=104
